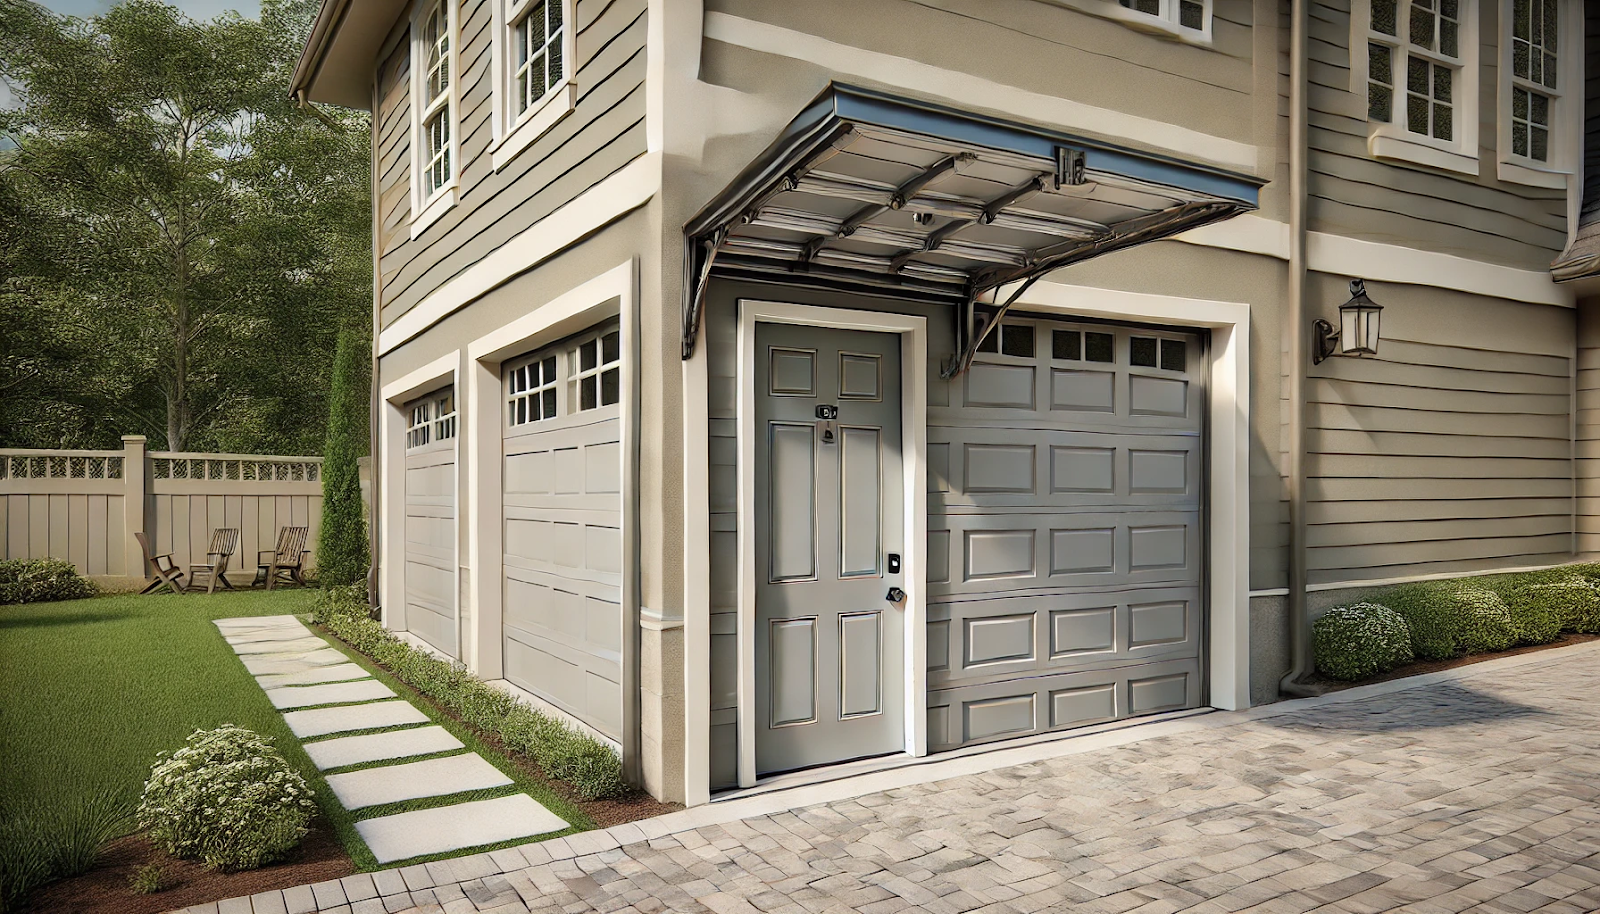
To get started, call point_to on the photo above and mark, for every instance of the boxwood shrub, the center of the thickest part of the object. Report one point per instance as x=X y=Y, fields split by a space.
x=561 y=751
x=1539 y=610
x=1360 y=640
x=1433 y=618
x=42 y=581
x=1485 y=620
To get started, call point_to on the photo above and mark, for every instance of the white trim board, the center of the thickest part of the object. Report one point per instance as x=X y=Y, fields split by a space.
x=964 y=89
x=1412 y=579
x=696 y=580
x=1342 y=255
x=1228 y=440
x=913 y=332
x=590 y=211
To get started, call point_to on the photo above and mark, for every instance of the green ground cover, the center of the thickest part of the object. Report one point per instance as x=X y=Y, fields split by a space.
x=91 y=690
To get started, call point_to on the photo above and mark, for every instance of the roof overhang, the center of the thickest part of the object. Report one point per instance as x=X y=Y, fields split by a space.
x=339 y=58
x=867 y=191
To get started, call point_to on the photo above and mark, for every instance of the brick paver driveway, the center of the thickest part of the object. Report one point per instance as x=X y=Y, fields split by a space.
x=1477 y=794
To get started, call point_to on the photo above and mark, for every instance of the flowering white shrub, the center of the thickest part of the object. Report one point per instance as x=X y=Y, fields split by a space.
x=1360 y=640
x=227 y=798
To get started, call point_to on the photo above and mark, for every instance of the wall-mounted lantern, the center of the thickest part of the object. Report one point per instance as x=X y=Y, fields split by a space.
x=1358 y=327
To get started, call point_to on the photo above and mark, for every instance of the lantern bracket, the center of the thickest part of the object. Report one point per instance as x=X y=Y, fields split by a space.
x=1325 y=341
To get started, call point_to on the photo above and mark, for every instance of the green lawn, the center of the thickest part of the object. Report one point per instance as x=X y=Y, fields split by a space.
x=91 y=690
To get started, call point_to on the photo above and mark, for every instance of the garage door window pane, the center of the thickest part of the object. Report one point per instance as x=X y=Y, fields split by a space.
x=532 y=389
x=1098 y=347
x=1066 y=345
x=1142 y=351
x=596 y=379
x=1017 y=340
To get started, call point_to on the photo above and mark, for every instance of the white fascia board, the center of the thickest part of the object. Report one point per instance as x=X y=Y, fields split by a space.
x=964 y=89
x=1345 y=256
x=580 y=217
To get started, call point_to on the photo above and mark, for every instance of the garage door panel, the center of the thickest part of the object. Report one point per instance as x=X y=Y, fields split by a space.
x=1065 y=478
x=430 y=525
x=1020 y=551
x=1019 y=707
x=562 y=539
x=985 y=640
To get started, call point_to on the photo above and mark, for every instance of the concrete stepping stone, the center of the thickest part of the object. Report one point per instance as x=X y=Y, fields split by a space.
x=376 y=747
x=259 y=636
x=263 y=664
x=414 y=780
x=328 y=694
x=452 y=828
x=339 y=672
x=255 y=621
x=322 y=721
x=308 y=643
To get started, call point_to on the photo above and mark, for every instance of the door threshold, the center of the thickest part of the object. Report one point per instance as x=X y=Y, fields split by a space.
x=807 y=777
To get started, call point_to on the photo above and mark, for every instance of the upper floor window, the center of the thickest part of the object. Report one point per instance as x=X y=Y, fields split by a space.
x=1415 y=61
x=1537 y=73
x=1189 y=14
x=434 y=105
x=534 y=57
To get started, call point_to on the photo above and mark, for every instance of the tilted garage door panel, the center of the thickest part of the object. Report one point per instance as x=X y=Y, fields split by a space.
x=1066 y=480
x=563 y=563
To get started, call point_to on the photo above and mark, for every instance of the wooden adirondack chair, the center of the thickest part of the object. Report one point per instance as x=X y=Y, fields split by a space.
x=283 y=564
x=167 y=572
x=207 y=575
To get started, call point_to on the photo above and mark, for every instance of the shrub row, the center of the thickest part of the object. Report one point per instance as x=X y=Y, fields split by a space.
x=1438 y=620
x=561 y=751
x=42 y=581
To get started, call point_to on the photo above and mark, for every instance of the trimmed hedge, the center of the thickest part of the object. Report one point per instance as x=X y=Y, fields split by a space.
x=42 y=581
x=1360 y=640
x=1433 y=618
x=1486 y=623
x=561 y=751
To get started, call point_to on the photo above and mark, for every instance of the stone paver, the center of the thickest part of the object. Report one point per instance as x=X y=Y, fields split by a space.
x=445 y=828
x=1481 y=794
x=323 y=721
x=415 y=780
x=339 y=672
x=271 y=664
x=331 y=693
x=308 y=642
x=375 y=747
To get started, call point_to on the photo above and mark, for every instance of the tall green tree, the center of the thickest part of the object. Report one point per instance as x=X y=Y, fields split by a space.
x=180 y=240
x=342 y=554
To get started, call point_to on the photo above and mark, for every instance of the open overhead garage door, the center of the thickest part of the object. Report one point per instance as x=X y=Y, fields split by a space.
x=430 y=575
x=1064 y=531
x=563 y=526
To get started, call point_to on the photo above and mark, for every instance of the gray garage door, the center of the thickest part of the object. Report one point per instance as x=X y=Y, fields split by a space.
x=563 y=526
x=1064 y=531
x=430 y=578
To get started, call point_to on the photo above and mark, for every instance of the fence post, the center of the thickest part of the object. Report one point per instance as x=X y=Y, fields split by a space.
x=135 y=473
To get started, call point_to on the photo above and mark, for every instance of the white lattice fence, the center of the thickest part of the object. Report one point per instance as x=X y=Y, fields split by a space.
x=85 y=506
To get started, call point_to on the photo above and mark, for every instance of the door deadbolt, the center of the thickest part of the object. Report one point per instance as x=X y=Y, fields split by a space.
x=895 y=595
x=827 y=430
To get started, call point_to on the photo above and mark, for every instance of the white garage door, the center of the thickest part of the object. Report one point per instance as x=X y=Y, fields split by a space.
x=563 y=526
x=430 y=577
x=1064 y=531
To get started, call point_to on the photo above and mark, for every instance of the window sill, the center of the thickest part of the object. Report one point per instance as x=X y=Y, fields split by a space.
x=546 y=113
x=1531 y=175
x=1385 y=146
x=1143 y=22
x=431 y=211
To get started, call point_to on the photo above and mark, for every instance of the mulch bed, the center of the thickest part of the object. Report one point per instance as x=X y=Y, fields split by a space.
x=1422 y=667
x=604 y=813
x=104 y=889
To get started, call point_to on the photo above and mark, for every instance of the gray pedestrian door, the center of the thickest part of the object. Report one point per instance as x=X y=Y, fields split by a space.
x=829 y=645
x=563 y=526
x=430 y=575
x=1065 y=552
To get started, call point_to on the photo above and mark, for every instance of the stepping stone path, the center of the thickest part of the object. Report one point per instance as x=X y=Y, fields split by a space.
x=335 y=698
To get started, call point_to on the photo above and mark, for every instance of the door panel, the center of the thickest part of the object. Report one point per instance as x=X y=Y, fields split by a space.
x=430 y=530
x=830 y=655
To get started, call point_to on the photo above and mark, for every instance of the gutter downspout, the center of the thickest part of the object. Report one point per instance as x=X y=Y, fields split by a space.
x=375 y=414
x=1292 y=684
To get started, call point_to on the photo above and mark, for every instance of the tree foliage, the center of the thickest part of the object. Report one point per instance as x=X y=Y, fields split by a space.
x=181 y=242
x=342 y=555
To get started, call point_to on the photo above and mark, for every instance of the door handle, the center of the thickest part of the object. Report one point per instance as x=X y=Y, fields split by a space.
x=895 y=595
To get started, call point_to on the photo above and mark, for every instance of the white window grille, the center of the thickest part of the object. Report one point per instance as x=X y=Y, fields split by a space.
x=1414 y=63
x=444 y=416
x=437 y=100
x=1534 y=35
x=595 y=373
x=419 y=430
x=531 y=390
x=538 y=34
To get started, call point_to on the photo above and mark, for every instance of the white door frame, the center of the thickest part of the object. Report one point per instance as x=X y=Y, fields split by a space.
x=913 y=332
x=1228 y=442
x=435 y=375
